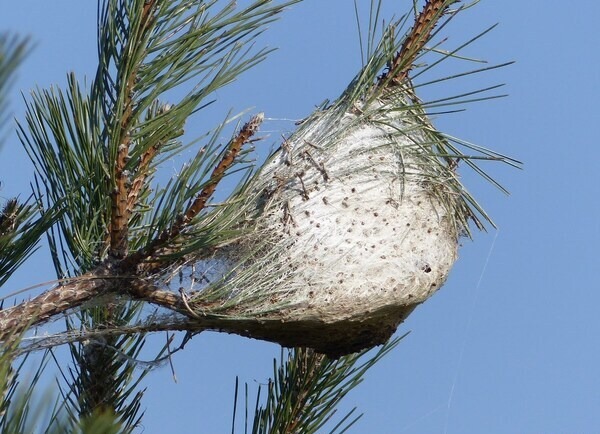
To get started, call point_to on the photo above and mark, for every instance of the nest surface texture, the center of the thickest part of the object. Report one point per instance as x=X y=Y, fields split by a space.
x=352 y=221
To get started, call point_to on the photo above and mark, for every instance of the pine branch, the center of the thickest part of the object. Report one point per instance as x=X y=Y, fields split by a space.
x=232 y=150
x=119 y=223
x=414 y=42
x=306 y=388
x=100 y=366
x=69 y=295
x=103 y=285
x=121 y=212
x=140 y=180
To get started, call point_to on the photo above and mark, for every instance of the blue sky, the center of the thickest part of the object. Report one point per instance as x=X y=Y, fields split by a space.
x=509 y=344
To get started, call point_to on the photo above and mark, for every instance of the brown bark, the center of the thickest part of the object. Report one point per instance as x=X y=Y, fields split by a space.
x=415 y=41
x=68 y=295
x=347 y=335
x=198 y=204
x=234 y=148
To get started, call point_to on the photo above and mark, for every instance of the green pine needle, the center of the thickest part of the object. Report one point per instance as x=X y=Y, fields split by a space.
x=306 y=388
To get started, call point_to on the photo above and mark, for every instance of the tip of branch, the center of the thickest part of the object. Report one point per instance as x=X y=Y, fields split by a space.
x=415 y=41
x=255 y=121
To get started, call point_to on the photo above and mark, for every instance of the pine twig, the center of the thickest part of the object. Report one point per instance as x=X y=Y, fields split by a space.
x=69 y=295
x=120 y=215
x=121 y=211
x=139 y=181
x=403 y=62
x=199 y=203
x=234 y=148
